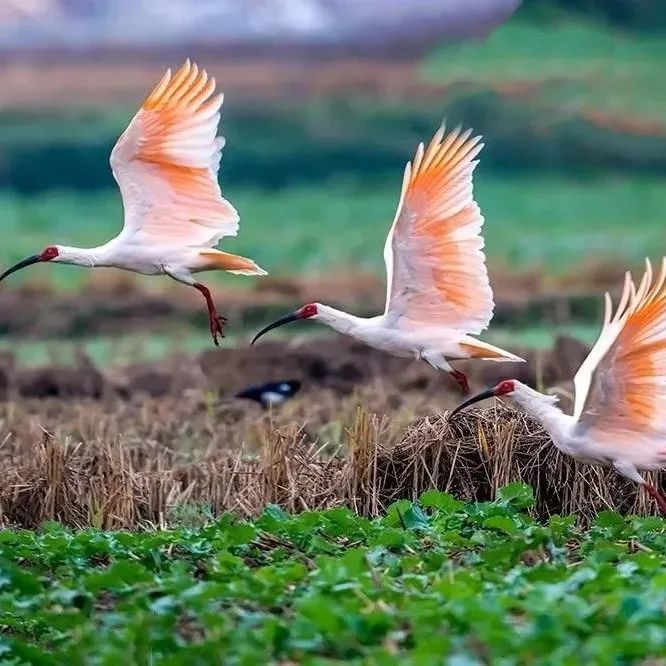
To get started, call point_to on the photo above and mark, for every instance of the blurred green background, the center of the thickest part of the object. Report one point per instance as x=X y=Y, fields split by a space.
x=569 y=96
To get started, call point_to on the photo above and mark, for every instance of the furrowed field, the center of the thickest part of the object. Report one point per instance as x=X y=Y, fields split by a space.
x=151 y=517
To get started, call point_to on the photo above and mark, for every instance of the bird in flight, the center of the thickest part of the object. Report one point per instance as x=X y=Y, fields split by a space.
x=438 y=293
x=619 y=417
x=166 y=165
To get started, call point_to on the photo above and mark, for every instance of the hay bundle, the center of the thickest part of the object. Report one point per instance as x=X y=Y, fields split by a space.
x=483 y=450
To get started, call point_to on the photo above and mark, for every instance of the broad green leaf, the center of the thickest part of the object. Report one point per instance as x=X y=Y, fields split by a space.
x=517 y=494
x=117 y=577
x=502 y=524
x=237 y=535
x=442 y=501
x=463 y=583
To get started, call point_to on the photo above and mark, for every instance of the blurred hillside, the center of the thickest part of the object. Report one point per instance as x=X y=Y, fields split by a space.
x=549 y=90
x=389 y=27
x=232 y=27
x=628 y=14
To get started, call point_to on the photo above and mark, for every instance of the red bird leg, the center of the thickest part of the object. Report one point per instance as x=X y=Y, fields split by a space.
x=657 y=497
x=216 y=321
x=462 y=380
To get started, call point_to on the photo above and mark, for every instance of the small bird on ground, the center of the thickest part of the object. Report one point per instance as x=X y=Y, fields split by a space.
x=166 y=165
x=271 y=393
x=619 y=417
x=438 y=291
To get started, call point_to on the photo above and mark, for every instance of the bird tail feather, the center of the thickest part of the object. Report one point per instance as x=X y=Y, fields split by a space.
x=232 y=263
x=484 y=351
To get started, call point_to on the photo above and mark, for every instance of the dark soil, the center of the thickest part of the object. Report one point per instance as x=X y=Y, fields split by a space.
x=333 y=363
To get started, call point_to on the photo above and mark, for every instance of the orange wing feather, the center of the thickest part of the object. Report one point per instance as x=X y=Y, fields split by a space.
x=436 y=268
x=166 y=165
x=621 y=387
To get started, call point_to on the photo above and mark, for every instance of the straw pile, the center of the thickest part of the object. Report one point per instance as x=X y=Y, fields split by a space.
x=109 y=482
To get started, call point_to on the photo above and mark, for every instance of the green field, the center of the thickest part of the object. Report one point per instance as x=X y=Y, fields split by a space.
x=471 y=584
x=549 y=222
x=580 y=66
x=317 y=183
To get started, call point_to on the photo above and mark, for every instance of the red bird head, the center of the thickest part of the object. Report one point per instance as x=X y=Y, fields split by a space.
x=48 y=254
x=309 y=311
x=505 y=387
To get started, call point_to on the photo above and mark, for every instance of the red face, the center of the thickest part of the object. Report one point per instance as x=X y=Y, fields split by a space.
x=49 y=253
x=505 y=387
x=307 y=311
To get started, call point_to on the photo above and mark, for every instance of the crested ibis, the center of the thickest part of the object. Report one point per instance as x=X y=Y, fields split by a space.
x=438 y=294
x=166 y=164
x=619 y=417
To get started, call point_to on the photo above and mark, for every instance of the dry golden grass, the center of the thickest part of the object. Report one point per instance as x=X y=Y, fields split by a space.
x=140 y=465
x=130 y=447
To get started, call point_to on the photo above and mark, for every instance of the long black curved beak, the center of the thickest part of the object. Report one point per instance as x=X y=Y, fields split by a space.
x=292 y=316
x=484 y=395
x=34 y=259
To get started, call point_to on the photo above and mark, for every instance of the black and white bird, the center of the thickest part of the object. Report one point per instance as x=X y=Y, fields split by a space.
x=271 y=393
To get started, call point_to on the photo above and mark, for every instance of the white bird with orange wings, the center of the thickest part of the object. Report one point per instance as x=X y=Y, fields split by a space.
x=438 y=292
x=166 y=165
x=619 y=415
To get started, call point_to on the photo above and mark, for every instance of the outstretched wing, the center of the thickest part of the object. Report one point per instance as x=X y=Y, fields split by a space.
x=166 y=165
x=436 y=270
x=621 y=386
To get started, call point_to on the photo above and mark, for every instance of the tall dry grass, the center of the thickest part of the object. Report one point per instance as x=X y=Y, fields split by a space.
x=116 y=482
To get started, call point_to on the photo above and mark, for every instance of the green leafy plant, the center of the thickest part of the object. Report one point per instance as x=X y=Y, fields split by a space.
x=438 y=579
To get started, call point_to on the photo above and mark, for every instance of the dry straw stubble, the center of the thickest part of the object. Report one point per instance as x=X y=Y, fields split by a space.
x=117 y=482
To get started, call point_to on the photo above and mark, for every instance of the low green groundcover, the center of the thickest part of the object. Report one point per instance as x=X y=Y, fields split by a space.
x=433 y=582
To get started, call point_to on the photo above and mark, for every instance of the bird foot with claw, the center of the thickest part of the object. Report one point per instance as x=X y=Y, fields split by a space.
x=657 y=497
x=217 y=323
x=462 y=381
